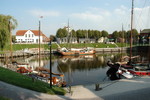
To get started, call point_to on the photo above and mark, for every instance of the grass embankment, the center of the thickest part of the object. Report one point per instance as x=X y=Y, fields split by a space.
x=16 y=47
x=54 y=46
x=20 y=80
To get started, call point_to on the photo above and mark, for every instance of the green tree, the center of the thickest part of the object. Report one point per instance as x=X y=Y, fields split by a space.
x=134 y=35
x=13 y=38
x=104 y=33
x=73 y=32
x=61 y=33
x=7 y=23
x=52 y=37
x=115 y=35
x=97 y=35
x=80 y=34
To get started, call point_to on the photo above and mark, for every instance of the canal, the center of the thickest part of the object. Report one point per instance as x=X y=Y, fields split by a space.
x=81 y=70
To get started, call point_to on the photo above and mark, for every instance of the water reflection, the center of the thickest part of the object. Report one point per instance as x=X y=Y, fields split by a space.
x=89 y=69
x=81 y=63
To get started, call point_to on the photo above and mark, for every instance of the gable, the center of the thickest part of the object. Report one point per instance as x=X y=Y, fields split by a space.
x=23 y=32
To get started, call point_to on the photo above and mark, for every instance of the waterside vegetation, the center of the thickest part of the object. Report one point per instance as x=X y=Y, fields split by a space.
x=23 y=81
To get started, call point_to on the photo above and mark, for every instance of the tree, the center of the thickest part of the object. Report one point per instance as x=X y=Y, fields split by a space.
x=97 y=35
x=104 y=33
x=134 y=35
x=13 y=38
x=73 y=32
x=52 y=38
x=61 y=33
x=7 y=23
x=115 y=35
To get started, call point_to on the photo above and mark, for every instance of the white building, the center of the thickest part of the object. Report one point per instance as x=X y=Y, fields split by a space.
x=102 y=40
x=30 y=36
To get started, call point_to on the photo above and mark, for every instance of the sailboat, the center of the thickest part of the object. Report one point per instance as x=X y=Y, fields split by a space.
x=75 y=51
x=128 y=68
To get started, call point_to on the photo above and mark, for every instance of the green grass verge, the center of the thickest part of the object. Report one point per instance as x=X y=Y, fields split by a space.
x=20 y=80
x=54 y=46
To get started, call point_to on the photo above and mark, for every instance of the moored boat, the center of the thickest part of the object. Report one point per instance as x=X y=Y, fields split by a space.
x=76 y=52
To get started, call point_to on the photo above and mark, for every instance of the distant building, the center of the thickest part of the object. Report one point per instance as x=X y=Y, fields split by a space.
x=144 y=36
x=75 y=40
x=145 y=32
x=30 y=36
x=65 y=40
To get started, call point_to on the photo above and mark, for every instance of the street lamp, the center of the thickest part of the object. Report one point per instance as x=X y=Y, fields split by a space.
x=50 y=67
x=40 y=40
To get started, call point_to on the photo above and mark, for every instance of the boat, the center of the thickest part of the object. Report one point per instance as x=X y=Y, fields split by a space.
x=116 y=71
x=43 y=74
x=77 y=52
x=129 y=66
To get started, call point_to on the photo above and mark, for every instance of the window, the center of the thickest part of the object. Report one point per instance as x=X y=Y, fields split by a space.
x=26 y=35
x=29 y=35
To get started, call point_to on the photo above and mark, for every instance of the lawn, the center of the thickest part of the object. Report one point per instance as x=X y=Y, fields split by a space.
x=20 y=80
x=16 y=47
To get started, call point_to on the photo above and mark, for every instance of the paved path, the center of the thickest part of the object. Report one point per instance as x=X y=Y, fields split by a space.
x=133 y=89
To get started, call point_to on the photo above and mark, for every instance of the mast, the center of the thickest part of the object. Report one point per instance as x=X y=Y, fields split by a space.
x=68 y=37
x=122 y=38
x=131 y=29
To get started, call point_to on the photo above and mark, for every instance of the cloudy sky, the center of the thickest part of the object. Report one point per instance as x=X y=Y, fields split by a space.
x=100 y=15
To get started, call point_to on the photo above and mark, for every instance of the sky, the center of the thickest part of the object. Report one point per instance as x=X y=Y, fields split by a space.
x=109 y=15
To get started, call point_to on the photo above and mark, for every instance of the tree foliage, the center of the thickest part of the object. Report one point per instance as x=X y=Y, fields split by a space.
x=7 y=23
x=104 y=33
x=61 y=33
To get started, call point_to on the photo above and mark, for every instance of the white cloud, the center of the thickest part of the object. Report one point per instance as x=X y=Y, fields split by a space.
x=87 y=16
x=44 y=13
x=93 y=14
x=122 y=10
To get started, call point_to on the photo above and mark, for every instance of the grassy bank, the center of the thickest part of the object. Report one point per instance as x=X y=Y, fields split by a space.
x=20 y=80
x=54 y=46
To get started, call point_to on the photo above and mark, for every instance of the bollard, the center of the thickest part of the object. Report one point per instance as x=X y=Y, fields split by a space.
x=97 y=87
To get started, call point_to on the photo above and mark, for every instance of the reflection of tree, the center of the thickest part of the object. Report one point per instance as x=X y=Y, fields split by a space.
x=83 y=63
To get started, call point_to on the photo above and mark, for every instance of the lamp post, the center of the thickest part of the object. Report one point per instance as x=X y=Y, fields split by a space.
x=40 y=40
x=50 y=61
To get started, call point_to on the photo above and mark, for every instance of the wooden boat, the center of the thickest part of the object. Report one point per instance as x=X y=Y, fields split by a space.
x=44 y=74
x=86 y=51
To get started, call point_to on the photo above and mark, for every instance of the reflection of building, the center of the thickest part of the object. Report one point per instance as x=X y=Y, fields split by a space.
x=30 y=36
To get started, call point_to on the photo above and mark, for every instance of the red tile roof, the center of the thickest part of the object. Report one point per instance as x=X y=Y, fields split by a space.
x=22 y=32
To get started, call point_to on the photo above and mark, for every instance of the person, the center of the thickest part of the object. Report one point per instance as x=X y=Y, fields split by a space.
x=112 y=74
x=116 y=65
x=112 y=71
